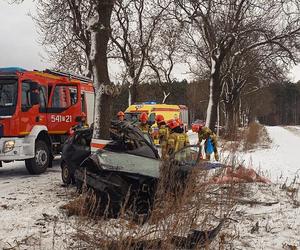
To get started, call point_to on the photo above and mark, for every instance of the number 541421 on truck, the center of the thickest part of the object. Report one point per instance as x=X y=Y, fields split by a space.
x=37 y=110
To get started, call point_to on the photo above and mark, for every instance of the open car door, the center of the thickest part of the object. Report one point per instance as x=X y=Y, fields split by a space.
x=190 y=156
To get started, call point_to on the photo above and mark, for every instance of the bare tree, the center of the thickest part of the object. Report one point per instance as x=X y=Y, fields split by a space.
x=63 y=27
x=215 y=26
x=164 y=54
x=248 y=73
x=136 y=24
x=80 y=31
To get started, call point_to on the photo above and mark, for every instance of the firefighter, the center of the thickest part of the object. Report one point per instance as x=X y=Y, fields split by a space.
x=163 y=134
x=180 y=124
x=177 y=140
x=83 y=122
x=205 y=133
x=143 y=124
x=121 y=116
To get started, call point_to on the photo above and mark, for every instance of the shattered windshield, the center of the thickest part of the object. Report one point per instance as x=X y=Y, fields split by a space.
x=132 y=117
x=8 y=96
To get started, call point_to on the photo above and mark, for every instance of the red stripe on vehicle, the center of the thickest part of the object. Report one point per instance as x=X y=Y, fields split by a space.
x=139 y=111
x=96 y=145
x=165 y=109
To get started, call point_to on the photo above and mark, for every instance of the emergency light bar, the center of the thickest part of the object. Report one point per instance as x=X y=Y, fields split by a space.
x=146 y=103
x=151 y=102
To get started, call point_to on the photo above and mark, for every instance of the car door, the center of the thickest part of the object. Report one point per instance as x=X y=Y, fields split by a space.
x=32 y=114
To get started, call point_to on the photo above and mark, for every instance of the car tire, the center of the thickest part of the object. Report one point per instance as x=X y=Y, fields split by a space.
x=66 y=175
x=41 y=160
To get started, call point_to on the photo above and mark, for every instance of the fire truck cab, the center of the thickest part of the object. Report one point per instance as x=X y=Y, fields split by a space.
x=37 y=111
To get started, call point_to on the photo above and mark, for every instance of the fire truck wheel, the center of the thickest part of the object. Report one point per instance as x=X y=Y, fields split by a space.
x=40 y=162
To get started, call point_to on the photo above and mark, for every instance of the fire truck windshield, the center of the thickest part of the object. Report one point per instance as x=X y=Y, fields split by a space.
x=8 y=96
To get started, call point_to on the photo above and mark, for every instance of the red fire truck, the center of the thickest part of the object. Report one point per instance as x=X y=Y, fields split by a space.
x=37 y=110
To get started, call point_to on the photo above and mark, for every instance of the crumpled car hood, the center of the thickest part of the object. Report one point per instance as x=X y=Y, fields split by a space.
x=136 y=165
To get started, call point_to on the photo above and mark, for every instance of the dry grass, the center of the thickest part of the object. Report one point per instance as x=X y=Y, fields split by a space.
x=249 y=138
x=256 y=136
x=179 y=207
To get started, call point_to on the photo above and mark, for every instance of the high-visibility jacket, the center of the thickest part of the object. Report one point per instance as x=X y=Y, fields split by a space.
x=177 y=141
x=144 y=127
x=163 y=135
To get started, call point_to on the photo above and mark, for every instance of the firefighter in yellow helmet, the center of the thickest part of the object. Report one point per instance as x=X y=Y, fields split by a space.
x=205 y=133
x=163 y=134
x=177 y=140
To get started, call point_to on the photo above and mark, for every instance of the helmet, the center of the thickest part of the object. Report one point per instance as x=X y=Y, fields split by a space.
x=196 y=127
x=83 y=116
x=173 y=124
x=159 y=119
x=120 y=113
x=143 y=117
x=179 y=121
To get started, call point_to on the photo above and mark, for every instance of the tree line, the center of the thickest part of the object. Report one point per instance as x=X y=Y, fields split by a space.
x=232 y=48
x=275 y=104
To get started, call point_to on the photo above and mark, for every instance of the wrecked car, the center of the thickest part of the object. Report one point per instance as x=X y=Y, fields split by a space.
x=126 y=171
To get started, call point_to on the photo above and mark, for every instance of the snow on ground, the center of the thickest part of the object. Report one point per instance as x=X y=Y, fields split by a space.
x=274 y=225
x=31 y=218
x=281 y=160
x=193 y=137
x=30 y=208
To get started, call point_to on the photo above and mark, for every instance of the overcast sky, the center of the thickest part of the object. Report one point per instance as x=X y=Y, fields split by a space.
x=19 y=39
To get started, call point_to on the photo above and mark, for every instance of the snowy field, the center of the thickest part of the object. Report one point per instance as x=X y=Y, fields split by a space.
x=281 y=162
x=31 y=218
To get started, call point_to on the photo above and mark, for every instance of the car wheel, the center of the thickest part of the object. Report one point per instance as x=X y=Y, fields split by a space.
x=66 y=175
x=41 y=160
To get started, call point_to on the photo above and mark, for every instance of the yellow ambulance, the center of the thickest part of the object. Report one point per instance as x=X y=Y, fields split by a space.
x=152 y=109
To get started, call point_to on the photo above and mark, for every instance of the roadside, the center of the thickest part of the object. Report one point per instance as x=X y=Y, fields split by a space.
x=268 y=218
x=294 y=129
x=30 y=206
x=279 y=162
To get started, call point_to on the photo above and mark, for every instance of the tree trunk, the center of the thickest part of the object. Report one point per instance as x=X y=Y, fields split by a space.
x=230 y=124
x=214 y=96
x=100 y=37
x=134 y=93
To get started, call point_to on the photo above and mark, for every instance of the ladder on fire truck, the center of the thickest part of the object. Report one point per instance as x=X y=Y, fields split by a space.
x=69 y=75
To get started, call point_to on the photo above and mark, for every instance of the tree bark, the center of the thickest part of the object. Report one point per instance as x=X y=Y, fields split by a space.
x=214 y=96
x=230 y=124
x=100 y=38
x=133 y=93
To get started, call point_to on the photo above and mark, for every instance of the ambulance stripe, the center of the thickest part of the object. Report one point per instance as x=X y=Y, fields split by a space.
x=138 y=111
x=165 y=109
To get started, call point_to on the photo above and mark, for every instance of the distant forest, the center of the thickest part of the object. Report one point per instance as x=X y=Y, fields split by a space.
x=275 y=104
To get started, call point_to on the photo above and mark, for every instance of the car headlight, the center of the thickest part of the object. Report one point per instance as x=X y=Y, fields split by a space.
x=8 y=146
